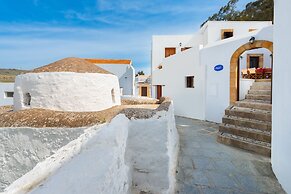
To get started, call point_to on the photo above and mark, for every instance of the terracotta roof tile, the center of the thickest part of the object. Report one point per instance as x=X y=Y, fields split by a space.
x=110 y=61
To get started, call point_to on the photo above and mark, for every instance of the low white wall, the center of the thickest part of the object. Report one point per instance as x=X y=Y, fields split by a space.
x=281 y=110
x=93 y=163
x=152 y=150
x=244 y=87
x=6 y=87
x=25 y=147
x=67 y=91
x=105 y=159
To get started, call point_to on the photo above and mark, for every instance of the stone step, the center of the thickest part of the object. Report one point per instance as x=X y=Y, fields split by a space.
x=263 y=80
x=259 y=147
x=258 y=97
x=260 y=92
x=250 y=113
x=260 y=87
x=262 y=84
x=248 y=123
x=254 y=134
x=256 y=104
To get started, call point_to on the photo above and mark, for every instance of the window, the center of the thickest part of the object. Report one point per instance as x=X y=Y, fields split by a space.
x=169 y=52
x=226 y=33
x=250 y=30
x=27 y=99
x=9 y=94
x=255 y=60
x=113 y=96
x=190 y=82
x=185 y=48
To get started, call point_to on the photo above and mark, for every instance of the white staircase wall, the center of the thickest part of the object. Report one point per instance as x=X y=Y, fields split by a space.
x=281 y=136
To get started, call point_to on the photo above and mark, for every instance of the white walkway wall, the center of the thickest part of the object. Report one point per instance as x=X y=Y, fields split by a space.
x=93 y=163
x=109 y=158
x=6 y=87
x=217 y=82
x=281 y=122
x=25 y=147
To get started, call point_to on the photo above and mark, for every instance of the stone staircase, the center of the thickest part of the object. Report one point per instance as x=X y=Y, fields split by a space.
x=247 y=123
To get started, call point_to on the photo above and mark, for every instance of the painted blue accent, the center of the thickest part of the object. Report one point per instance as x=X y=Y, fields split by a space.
x=218 y=67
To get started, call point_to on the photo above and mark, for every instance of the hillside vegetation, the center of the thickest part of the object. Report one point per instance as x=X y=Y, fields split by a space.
x=8 y=75
x=259 y=10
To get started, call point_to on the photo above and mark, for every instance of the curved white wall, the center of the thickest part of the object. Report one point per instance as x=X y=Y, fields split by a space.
x=67 y=91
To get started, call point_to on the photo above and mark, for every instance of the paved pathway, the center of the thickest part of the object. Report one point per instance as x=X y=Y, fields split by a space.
x=205 y=166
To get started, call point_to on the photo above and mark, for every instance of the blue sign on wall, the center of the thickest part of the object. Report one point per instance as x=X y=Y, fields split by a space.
x=218 y=67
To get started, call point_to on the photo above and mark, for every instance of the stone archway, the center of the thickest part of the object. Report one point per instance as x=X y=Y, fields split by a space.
x=234 y=76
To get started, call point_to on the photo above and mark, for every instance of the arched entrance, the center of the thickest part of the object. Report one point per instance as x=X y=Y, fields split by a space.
x=234 y=65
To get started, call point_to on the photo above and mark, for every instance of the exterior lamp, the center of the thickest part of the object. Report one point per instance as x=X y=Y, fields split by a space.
x=252 y=40
x=180 y=44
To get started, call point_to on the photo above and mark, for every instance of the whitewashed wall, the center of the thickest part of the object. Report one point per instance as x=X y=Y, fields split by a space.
x=188 y=102
x=93 y=163
x=217 y=83
x=281 y=115
x=160 y=42
x=67 y=91
x=105 y=159
x=244 y=86
x=125 y=74
x=6 y=87
x=25 y=147
x=152 y=151
x=240 y=28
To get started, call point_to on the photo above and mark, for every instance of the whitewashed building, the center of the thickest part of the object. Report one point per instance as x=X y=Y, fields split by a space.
x=143 y=85
x=183 y=67
x=123 y=69
x=70 y=84
x=6 y=93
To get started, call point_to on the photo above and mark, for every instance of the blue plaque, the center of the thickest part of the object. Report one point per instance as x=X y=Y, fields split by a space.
x=218 y=67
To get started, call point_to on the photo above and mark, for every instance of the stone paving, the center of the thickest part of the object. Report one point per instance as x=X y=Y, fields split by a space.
x=205 y=166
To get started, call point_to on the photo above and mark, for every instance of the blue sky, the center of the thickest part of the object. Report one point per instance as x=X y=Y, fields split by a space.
x=37 y=32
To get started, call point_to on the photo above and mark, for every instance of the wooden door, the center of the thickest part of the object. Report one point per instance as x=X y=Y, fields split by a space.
x=144 y=91
x=159 y=91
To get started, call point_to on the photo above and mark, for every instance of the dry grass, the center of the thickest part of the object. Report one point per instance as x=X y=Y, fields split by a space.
x=47 y=118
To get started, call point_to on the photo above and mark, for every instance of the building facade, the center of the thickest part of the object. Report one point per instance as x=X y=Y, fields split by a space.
x=185 y=70
x=6 y=93
x=123 y=69
x=143 y=85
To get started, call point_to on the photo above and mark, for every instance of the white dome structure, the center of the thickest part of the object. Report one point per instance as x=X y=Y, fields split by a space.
x=71 y=84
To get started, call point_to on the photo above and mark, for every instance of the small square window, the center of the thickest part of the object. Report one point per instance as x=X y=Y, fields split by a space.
x=9 y=94
x=226 y=33
x=190 y=82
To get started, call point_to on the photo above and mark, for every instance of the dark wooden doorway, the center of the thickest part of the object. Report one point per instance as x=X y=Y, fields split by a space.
x=159 y=91
x=144 y=91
